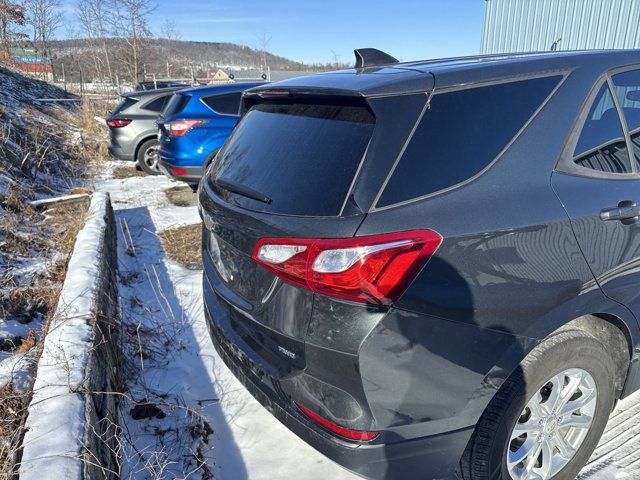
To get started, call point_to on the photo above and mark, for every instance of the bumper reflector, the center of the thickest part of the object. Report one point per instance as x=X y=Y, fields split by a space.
x=179 y=172
x=356 y=435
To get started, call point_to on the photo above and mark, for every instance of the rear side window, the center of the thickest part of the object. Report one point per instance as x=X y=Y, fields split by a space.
x=176 y=104
x=226 y=104
x=601 y=145
x=303 y=157
x=124 y=104
x=461 y=133
x=628 y=91
x=157 y=105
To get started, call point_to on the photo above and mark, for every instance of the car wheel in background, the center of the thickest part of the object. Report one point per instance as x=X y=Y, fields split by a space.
x=547 y=418
x=148 y=157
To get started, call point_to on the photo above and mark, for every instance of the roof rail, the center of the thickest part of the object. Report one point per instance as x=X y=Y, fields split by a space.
x=372 y=57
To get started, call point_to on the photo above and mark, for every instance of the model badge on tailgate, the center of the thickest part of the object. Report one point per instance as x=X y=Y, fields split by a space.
x=286 y=352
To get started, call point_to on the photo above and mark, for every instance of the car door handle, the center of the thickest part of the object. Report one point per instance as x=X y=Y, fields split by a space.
x=626 y=212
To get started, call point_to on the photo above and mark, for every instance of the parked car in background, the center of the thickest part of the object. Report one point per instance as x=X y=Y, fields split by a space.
x=158 y=84
x=432 y=267
x=133 y=130
x=194 y=125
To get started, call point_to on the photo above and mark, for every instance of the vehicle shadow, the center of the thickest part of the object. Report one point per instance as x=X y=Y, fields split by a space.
x=160 y=324
x=444 y=371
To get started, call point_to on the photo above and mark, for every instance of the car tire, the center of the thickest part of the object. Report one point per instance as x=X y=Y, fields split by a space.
x=486 y=456
x=148 y=157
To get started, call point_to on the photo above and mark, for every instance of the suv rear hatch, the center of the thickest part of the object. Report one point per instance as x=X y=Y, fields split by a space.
x=286 y=172
x=290 y=170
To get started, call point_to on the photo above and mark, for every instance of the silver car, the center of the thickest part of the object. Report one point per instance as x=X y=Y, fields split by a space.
x=133 y=129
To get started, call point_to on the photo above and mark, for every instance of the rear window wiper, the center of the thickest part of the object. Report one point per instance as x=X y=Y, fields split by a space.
x=242 y=190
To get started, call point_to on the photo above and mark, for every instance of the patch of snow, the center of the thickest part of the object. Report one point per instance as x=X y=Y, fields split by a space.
x=13 y=329
x=17 y=370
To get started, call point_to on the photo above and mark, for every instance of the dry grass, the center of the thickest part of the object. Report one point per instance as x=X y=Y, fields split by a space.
x=28 y=343
x=12 y=413
x=61 y=227
x=183 y=245
x=94 y=134
x=127 y=172
x=67 y=219
x=182 y=196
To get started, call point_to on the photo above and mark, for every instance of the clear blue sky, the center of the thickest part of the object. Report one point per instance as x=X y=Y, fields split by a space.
x=309 y=30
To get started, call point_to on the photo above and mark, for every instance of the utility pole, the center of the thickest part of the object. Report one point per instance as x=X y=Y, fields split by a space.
x=168 y=72
x=64 y=78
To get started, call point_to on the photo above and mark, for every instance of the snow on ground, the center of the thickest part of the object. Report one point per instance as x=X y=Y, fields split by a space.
x=18 y=370
x=247 y=441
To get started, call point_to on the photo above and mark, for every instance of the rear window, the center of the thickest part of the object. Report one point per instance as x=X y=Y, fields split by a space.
x=227 y=104
x=124 y=104
x=176 y=104
x=461 y=133
x=157 y=105
x=303 y=157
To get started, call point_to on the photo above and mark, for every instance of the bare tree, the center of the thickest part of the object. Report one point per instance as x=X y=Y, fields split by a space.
x=129 y=21
x=93 y=16
x=335 y=57
x=170 y=33
x=12 y=16
x=44 y=17
x=169 y=29
x=263 y=46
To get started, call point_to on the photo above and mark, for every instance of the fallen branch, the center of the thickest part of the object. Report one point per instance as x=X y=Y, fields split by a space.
x=47 y=202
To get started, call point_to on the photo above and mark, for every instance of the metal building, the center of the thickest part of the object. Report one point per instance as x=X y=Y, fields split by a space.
x=540 y=25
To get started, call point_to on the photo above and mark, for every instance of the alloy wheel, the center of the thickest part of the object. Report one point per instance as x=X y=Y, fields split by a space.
x=151 y=158
x=552 y=426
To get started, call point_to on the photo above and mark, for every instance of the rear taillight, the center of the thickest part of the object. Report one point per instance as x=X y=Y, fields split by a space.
x=372 y=269
x=178 y=128
x=119 y=122
x=347 y=433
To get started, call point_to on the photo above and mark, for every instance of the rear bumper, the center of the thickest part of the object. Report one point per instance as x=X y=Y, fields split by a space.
x=434 y=457
x=192 y=175
x=119 y=153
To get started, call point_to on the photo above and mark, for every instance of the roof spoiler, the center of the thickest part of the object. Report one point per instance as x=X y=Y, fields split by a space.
x=372 y=57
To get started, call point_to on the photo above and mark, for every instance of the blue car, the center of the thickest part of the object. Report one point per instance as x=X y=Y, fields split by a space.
x=194 y=125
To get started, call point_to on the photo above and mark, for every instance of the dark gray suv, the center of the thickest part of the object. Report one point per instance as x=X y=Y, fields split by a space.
x=133 y=130
x=432 y=269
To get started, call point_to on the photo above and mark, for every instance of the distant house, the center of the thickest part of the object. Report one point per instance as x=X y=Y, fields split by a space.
x=218 y=75
x=32 y=62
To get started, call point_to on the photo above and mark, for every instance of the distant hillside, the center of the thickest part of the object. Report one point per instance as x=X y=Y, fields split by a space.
x=184 y=58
